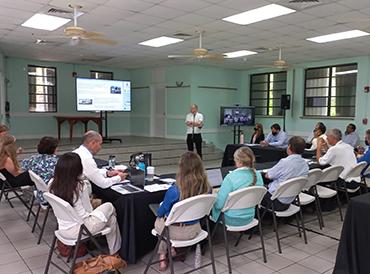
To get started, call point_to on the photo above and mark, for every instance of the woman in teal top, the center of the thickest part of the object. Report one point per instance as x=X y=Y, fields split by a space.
x=244 y=176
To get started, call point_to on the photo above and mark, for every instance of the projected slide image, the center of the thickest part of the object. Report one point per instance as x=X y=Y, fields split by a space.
x=103 y=95
x=85 y=101
x=115 y=90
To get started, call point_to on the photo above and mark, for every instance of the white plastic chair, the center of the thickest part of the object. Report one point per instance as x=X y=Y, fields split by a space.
x=64 y=211
x=330 y=175
x=365 y=181
x=355 y=172
x=310 y=193
x=249 y=197
x=40 y=186
x=287 y=189
x=193 y=208
x=6 y=188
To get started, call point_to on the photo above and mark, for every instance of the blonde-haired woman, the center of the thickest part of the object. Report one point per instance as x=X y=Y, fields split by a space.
x=244 y=176
x=9 y=165
x=191 y=180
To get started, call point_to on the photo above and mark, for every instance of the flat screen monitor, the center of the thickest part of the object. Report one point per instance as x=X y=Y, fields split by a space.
x=103 y=95
x=237 y=116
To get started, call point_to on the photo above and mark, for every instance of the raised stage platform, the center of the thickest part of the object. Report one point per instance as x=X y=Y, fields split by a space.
x=165 y=152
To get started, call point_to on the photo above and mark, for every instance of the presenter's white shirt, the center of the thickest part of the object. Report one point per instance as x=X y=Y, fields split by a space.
x=91 y=170
x=190 y=117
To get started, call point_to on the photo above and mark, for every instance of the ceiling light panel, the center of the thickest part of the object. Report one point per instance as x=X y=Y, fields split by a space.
x=239 y=53
x=45 y=22
x=161 y=41
x=338 y=36
x=259 y=14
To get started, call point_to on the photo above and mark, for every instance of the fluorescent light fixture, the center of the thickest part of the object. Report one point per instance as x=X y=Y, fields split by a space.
x=45 y=22
x=161 y=41
x=259 y=14
x=346 y=72
x=338 y=36
x=239 y=53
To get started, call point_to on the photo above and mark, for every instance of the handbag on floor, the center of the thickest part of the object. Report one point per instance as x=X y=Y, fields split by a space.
x=100 y=264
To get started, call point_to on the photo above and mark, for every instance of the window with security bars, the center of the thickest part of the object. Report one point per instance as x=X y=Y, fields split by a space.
x=101 y=75
x=330 y=91
x=266 y=90
x=42 y=89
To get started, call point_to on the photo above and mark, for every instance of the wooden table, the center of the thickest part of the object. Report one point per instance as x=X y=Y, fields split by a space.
x=72 y=120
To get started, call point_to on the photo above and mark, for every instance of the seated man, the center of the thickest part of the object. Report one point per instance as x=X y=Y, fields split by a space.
x=351 y=136
x=276 y=138
x=339 y=154
x=290 y=167
x=318 y=132
x=91 y=144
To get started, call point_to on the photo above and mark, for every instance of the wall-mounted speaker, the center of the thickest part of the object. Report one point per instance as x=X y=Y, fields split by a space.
x=285 y=101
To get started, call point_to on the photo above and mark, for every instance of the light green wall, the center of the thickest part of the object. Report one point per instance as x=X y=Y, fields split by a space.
x=295 y=123
x=25 y=124
x=178 y=100
x=2 y=87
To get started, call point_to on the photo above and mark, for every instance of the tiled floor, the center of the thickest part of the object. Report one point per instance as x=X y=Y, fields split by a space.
x=19 y=252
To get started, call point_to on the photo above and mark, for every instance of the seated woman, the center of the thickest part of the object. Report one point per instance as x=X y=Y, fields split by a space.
x=4 y=130
x=68 y=185
x=191 y=181
x=258 y=136
x=43 y=163
x=9 y=164
x=244 y=176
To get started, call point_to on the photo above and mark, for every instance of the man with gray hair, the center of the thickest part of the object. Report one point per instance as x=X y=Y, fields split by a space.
x=339 y=154
x=91 y=145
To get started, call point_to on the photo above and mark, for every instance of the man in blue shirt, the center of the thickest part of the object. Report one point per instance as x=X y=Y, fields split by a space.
x=290 y=167
x=351 y=136
x=277 y=137
x=366 y=156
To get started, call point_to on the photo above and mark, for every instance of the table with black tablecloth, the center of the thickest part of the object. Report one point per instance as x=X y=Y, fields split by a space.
x=263 y=154
x=135 y=220
x=354 y=246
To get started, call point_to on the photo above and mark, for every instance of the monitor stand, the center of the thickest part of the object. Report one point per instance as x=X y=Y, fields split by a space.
x=106 y=139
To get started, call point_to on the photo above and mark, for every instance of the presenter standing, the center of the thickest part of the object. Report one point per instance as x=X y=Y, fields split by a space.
x=194 y=122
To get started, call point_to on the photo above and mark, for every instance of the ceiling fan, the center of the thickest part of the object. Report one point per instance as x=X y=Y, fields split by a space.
x=76 y=34
x=279 y=63
x=200 y=52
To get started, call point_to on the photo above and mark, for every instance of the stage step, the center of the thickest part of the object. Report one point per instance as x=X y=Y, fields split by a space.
x=164 y=152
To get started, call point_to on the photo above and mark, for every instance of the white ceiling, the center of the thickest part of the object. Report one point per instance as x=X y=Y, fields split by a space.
x=133 y=21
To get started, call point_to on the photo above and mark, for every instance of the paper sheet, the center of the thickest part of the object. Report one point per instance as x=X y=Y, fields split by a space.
x=156 y=187
x=168 y=180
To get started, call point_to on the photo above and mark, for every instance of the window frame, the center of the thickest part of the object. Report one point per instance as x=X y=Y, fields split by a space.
x=100 y=71
x=55 y=88
x=330 y=67
x=267 y=91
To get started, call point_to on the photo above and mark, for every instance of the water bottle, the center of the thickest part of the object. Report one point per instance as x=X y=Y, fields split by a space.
x=242 y=138
x=198 y=257
x=110 y=161
x=113 y=161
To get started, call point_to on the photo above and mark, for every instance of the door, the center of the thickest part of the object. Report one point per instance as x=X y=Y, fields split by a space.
x=158 y=104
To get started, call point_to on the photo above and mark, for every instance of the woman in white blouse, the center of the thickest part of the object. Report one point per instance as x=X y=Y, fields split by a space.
x=69 y=186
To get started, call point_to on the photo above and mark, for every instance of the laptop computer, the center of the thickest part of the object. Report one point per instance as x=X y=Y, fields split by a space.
x=215 y=177
x=137 y=177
